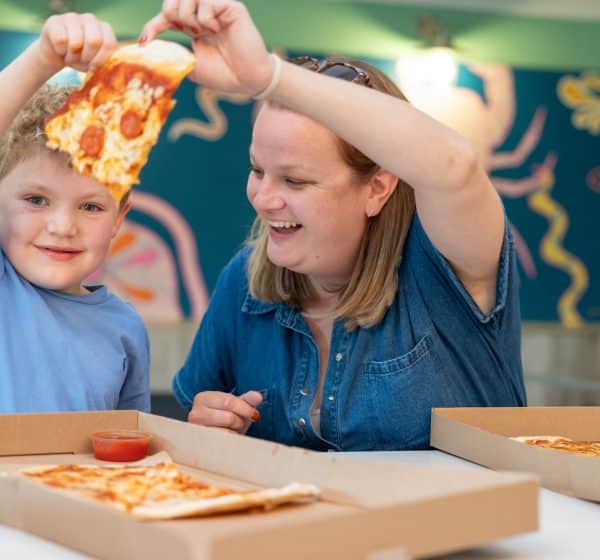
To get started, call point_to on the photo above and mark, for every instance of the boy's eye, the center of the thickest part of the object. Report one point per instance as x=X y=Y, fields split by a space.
x=91 y=207
x=36 y=200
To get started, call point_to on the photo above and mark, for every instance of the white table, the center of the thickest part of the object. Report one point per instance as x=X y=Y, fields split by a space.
x=570 y=528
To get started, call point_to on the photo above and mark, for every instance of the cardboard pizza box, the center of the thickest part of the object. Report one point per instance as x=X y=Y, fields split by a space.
x=369 y=510
x=482 y=435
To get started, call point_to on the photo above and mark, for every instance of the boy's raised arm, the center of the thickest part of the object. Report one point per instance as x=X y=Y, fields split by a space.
x=81 y=41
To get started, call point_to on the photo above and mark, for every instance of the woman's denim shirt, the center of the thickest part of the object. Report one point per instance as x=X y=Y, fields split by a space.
x=433 y=348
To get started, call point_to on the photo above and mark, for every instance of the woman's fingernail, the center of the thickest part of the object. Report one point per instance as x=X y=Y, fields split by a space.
x=143 y=37
x=255 y=416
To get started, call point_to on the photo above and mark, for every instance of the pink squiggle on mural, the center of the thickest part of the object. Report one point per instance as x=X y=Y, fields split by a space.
x=524 y=253
x=143 y=257
x=593 y=179
x=185 y=247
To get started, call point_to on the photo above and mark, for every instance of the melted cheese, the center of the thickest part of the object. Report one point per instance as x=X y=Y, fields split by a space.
x=118 y=164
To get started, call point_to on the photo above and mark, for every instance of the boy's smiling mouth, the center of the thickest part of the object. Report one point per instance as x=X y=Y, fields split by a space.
x=59 y=253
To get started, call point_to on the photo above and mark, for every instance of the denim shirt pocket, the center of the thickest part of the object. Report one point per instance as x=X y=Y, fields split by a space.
x=400 y=396
x=264 y=428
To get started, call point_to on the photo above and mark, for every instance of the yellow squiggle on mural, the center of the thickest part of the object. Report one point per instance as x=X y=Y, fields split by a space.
x=581 y=95
x=216 y=125
x=553 y=253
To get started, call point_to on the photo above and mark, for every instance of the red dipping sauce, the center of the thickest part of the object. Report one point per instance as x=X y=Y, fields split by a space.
x=120 y=445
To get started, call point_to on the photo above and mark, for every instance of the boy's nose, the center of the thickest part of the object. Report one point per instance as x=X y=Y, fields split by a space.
x=61 y=223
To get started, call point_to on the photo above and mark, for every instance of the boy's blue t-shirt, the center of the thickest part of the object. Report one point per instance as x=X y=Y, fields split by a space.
x=62 y=352
x=433 y=348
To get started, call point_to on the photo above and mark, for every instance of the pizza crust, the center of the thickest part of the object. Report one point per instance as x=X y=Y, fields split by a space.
x=561 y=443
x=549 y=439
x=165 y=57
x=267 y=499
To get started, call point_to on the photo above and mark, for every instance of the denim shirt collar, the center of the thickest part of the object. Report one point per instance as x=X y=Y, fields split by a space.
x=286 y=316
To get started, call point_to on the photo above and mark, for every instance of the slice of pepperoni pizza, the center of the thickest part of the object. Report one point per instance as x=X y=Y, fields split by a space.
x=109 y=125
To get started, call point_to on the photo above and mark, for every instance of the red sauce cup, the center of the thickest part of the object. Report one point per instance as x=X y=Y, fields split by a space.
x=120 y=445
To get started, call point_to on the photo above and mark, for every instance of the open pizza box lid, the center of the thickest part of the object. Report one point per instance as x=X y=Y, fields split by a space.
x=482 y=435
x=369 y=510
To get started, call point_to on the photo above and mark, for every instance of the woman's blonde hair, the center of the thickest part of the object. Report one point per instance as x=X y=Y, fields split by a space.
x=373 y=284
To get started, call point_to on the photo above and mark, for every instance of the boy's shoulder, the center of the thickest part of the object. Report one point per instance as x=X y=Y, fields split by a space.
x=122 y=309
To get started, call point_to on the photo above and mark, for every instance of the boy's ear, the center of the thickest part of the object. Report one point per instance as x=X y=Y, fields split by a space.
x=120 y=217
x=381 y=186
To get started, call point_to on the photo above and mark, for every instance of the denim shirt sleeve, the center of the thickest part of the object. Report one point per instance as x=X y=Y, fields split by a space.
x=208 y=365
x=506 y=279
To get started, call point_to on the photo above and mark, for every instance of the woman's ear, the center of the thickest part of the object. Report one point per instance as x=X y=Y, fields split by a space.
x=381 y=186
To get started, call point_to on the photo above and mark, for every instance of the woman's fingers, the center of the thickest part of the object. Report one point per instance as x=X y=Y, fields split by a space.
x=207 y=16
x=224 y=410
x=253 y=398
x=157 y=25
x=216 y=418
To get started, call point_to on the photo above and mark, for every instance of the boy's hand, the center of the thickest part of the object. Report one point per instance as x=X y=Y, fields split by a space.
x=80 y=41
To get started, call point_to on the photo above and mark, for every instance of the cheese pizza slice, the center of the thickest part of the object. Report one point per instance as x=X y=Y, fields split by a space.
x=561 y=443
x=109 y=125
x=162 y=491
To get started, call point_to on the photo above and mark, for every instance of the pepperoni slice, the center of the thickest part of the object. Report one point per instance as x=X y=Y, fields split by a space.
x=92 y=140
x=131 y=124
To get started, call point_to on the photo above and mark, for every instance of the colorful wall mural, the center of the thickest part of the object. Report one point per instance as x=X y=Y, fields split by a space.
x=537 y=133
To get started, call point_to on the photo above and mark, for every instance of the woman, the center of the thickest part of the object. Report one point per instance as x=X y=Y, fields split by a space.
x=350 y=315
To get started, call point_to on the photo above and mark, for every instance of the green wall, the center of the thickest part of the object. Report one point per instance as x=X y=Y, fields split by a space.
x=373 y=29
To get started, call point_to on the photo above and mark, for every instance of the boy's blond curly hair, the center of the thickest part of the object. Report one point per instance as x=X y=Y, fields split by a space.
x=26 y=132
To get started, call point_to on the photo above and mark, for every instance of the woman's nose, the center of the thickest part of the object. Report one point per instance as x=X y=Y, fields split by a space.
x=268 y=196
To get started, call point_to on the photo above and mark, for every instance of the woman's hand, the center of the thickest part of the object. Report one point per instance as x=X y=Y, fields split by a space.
x=224 y=410
x=80 y=41
x=230 y=53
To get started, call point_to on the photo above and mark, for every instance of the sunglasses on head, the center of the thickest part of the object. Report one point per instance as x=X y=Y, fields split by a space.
x=336 y=69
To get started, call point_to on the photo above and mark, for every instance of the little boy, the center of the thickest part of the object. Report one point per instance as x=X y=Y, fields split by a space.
x=63 y=345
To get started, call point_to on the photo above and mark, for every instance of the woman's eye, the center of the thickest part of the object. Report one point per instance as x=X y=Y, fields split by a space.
x=295 y=182
x=90 y=207
x=36 y=200
x=256 y=171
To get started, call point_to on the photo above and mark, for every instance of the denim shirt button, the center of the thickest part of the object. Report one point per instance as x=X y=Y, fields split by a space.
x=330 y=398
x=304 y=392
x=338 y=357
x=301 y=423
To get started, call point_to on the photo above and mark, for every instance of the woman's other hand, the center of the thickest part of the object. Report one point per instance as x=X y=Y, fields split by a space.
x=224 y=410
x=230 y=52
